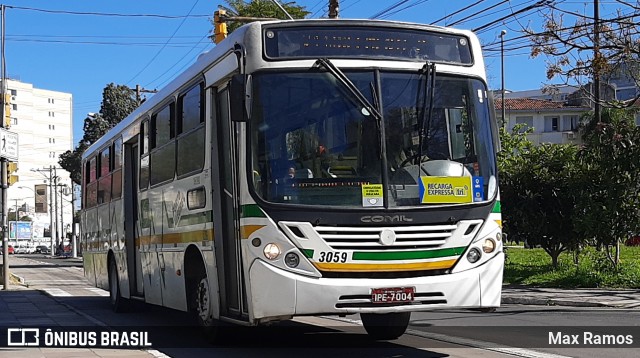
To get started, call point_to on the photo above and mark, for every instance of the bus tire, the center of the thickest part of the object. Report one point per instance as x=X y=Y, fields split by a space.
x=385 y=326
x=202 y=307
x=118 y=303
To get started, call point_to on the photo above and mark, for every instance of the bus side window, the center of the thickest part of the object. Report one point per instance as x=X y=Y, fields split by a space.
x=91 y=184
x=191 y=132
x=116 y=169
x=104 y=182
x=163 y=146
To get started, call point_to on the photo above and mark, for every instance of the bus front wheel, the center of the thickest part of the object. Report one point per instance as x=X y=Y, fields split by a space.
x=202 y=301
x=385 y=326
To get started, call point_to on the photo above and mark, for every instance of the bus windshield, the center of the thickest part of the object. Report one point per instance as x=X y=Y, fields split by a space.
x=313 y=143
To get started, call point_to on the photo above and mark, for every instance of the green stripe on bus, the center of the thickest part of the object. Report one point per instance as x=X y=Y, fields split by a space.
x=308 y=253
x=252 y=211
x=497 y=207
x=408 y=255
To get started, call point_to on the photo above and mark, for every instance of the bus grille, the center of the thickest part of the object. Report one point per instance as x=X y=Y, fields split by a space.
x=362 y=238
x=368 y=238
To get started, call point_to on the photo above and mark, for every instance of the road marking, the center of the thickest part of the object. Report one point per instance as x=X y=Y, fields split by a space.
x=519 y=352
x=56 y=292
x=98 y=291
x=157 y=353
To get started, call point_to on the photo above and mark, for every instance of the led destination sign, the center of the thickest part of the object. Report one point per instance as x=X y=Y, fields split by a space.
x=354 y=41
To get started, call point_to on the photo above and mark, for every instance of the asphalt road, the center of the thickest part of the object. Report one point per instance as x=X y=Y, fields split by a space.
x=452 y=333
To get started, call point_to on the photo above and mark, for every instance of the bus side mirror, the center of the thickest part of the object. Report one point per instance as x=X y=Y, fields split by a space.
x=238 y=98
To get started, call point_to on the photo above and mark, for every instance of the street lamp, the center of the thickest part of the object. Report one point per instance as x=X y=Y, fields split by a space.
x=504 y=112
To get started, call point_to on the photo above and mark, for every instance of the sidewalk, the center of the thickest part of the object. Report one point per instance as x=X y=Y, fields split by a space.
x=581 y=297
x=21 y=306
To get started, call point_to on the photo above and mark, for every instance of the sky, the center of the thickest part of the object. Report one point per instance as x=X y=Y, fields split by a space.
x=81 y=46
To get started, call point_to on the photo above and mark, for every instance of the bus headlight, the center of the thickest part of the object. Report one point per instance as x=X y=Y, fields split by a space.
x=292 y=260
x=488 y=246
x=271 y=251
x=473 y=255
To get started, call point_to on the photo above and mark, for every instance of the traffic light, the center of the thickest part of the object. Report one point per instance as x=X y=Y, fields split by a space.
x=220 y=26
x=7 y=111
x=12 y=167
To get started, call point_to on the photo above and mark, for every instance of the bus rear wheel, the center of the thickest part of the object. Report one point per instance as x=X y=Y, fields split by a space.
x=385 y=326
x=118 y=303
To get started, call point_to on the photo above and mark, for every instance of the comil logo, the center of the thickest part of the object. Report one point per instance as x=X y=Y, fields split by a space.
x=23 y=337
x=385 y=218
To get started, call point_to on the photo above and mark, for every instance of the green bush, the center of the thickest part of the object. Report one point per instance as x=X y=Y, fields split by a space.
x=532 y=267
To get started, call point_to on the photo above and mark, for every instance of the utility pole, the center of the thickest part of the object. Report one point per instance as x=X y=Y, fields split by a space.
x=504 y=110
x=139 y=90
x=54 y=187
x=3 y=164
x=596 y=58
x=59 y=188
x=51 y=242
x=74 y=241
x=334 y=9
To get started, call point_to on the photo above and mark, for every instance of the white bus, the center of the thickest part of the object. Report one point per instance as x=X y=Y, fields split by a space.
x=312 y=167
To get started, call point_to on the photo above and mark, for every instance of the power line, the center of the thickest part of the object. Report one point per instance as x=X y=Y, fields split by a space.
x=177 y=62
x=380 y=13
x=165 y=45
x=525 y=9
x=99 y=36
x=457 y=12
x=110 y=43
x=478 y=13
x=386 y=16
x=106 y=14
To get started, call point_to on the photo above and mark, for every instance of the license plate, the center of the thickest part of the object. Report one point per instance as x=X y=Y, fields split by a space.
x=392 y=295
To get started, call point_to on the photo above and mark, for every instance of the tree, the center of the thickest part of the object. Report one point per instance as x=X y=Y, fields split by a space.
x=609 y=205
x=260 y=9
x=577 y=56
x=118 y=101
x=536 y=192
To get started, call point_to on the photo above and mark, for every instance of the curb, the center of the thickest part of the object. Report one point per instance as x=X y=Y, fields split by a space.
x=553 y=302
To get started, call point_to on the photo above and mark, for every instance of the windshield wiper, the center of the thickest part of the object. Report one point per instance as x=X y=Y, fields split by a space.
x=367 y=107
x=429 y=70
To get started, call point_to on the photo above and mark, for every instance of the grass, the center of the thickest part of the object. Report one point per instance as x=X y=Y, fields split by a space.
x=532 y=267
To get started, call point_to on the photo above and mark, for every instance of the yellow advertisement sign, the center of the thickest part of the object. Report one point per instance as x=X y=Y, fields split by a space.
x=445 y=190
x=372 y=195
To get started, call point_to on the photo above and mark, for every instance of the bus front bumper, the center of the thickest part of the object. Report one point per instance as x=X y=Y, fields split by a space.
x=275 y=292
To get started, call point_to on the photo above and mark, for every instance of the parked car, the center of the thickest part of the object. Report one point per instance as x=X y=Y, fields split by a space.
x=24 y=246
x=11 y=250
x=43 y=249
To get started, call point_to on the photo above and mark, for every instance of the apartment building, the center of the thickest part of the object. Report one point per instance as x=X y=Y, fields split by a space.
x=43 y=121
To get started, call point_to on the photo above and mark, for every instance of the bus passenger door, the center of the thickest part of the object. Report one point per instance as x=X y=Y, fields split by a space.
x=134 y=265
x=226 y=213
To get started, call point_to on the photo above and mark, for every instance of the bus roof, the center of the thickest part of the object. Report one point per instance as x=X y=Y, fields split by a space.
x=205 y=60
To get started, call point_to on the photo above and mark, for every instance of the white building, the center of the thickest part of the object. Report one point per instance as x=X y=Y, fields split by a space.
x=43 y=121
x=552 y=122
x=556 y=93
